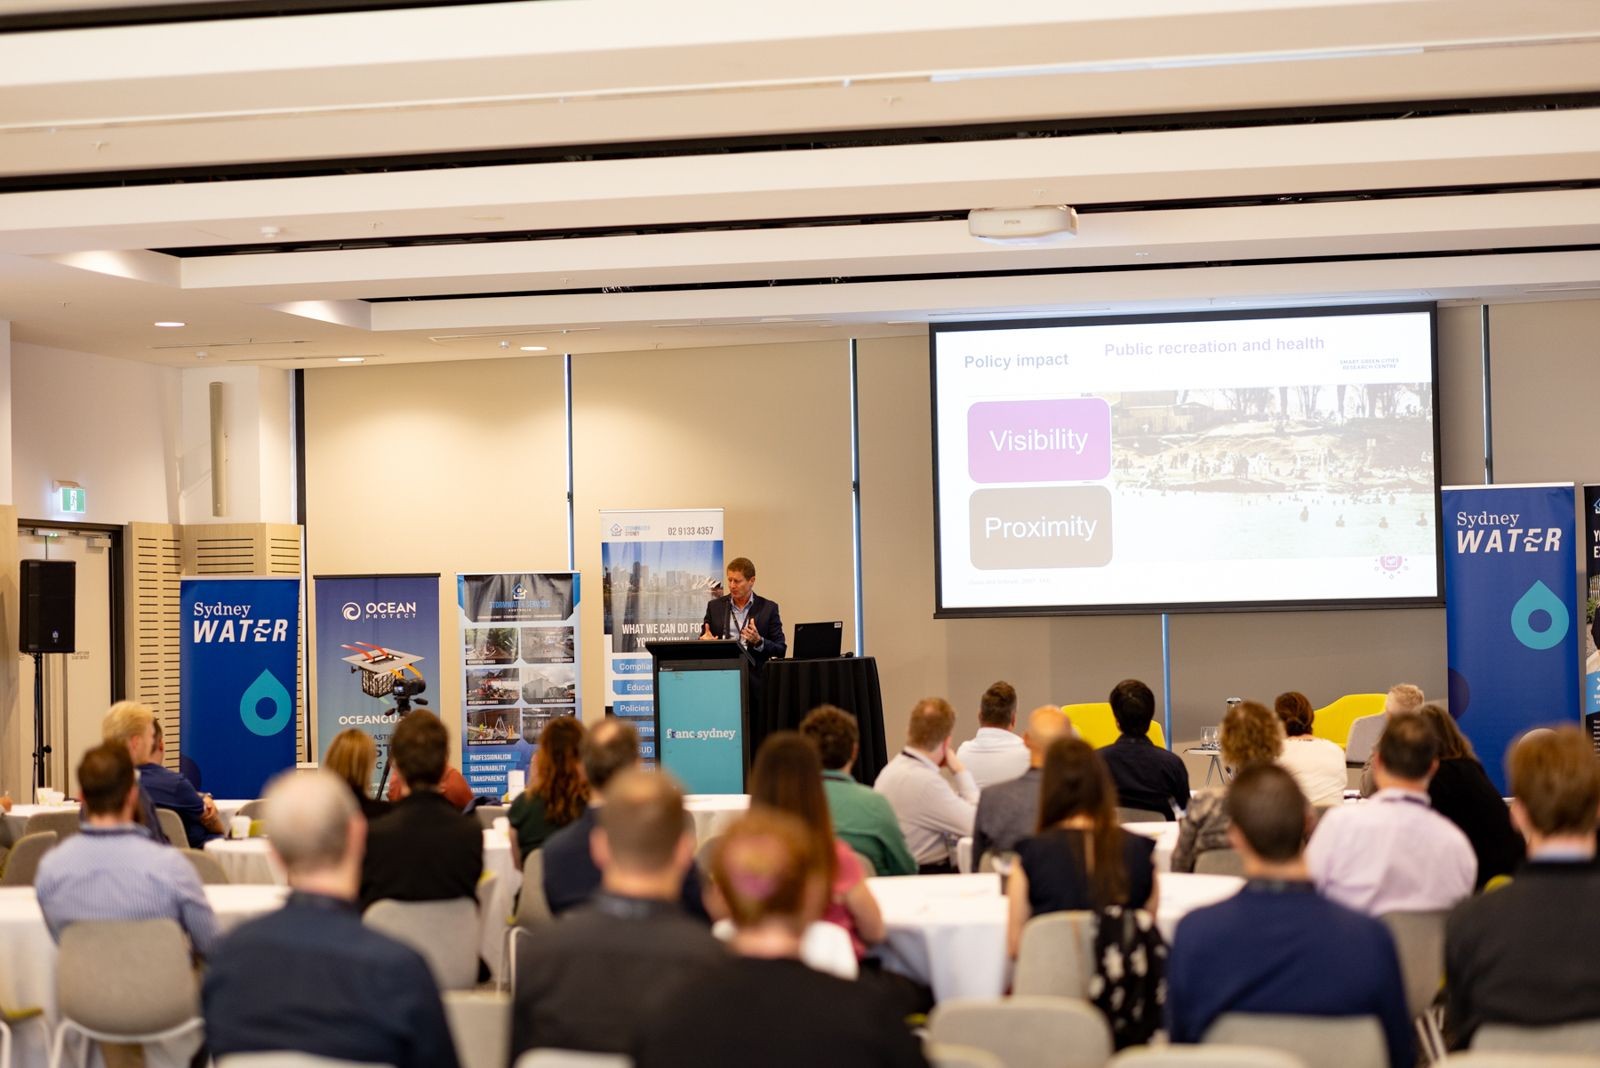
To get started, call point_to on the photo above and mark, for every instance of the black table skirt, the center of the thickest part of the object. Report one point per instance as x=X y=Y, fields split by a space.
x=792 y=688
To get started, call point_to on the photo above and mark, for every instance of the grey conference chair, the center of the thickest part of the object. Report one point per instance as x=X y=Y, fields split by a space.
x=571 y=1058
x=172 y=826
x=1509 y=1059
x=487 y=814
x=1056 y=956
x=1204 y=1057
x=1219 y=862
x=533 y=909
x=1419 y=942
x=1319 y=1041
x=207 y=867
x=125 y=982
x=1364 y=734
x=1024 y=1032
x=1580 y=1037
x=1141 y=815
x=254 y=809
x=22 y=864
x=945 y=1055
x=288 y=1059
x=444 y=932
x=480 y=1024
x=10 y=1017
x=65 y=822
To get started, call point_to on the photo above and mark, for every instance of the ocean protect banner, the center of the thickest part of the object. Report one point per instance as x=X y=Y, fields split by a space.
x=1591 y=644
x=237 y=662
x=519 y=655
x=371 y=630
x=660 y=568
x=1511 y=606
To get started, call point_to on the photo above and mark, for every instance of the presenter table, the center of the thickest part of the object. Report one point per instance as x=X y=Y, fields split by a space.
x=792 y=688
x=29 y=978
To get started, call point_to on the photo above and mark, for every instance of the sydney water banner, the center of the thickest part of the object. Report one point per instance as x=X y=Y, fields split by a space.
x=660 y=567
x=1511 y=608
x=519 y=655
x=237 y=661
x=373 y=631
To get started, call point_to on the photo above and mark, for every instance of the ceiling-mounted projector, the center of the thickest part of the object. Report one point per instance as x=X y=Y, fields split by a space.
x=1044 y=224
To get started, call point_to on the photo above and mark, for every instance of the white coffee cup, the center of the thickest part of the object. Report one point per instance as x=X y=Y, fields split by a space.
x=239 y=827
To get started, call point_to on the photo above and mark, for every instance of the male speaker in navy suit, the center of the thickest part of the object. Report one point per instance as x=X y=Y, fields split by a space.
x=743 y=614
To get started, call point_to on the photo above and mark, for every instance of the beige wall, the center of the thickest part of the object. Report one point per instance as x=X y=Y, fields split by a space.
x=1543 y=363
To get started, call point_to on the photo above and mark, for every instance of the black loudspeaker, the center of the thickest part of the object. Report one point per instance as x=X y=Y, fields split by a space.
x=49 y=606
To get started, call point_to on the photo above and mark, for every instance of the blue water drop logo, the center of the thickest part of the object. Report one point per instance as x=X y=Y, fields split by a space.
x=1539 y=598
x=266 y=688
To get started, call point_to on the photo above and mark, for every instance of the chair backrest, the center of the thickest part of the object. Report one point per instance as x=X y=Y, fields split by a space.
x=172 y=826
x=571 y=1058
x=207 y=867
x=480 y=1024
x=1364 y=735
x=1204 y=1057
x=287 y=1058
x=444 y=932
x=126 y=977
x=64 y=821
x=1514 y=1059
x=1056 y=957
x=487 y=814
x=253 y=809
x=1219 y=862
x=1580 y=1037
x=1319 y=1041
x=22 y=863
x=947 y=1055
x=1026 y=1031
x=1096 y=725
x=1419 y=943
x=1333 y=721
x=1141 y=815
x=533 y=908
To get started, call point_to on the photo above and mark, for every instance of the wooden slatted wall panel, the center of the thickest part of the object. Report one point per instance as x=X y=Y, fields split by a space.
x=153 y=553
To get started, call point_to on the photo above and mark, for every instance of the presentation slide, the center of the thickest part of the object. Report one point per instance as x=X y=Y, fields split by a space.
x=1186 y=461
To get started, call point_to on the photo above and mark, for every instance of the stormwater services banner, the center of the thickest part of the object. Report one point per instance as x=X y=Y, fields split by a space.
x=1512 y=613
x=661 y=567
x=1591 y=597
x=372 y=629
x=519 y=655
x=237 y=660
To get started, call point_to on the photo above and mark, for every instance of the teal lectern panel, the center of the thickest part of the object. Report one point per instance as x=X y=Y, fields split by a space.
x=701 y=739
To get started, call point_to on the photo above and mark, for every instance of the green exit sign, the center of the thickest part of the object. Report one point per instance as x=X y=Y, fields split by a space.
x=74 y=500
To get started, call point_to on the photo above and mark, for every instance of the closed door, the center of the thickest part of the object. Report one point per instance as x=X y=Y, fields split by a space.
x=78 y=685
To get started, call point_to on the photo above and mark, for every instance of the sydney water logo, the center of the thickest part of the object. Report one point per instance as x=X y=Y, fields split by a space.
x=1540 y=598
x=216 y=622
x=266 y=688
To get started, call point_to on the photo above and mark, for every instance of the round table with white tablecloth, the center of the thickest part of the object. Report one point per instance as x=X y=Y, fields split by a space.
x=1165 y=833
x=28 y=977
x=16 y=821
x=713 y=813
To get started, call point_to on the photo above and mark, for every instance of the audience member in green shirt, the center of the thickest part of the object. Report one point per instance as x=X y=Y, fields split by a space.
x=862 y=818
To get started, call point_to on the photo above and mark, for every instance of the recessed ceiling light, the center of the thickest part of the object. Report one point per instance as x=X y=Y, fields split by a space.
x=534 y=348
x=170 y=323
x=352 y=359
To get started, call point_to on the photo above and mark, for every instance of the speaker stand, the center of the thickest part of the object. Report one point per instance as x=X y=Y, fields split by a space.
x=41 y=752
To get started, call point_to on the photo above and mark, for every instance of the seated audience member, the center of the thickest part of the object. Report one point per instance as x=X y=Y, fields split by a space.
x=862 y=818
x=167 y=789
x=933 y=814
x=111 y=870
x=1402 y=697
x=1525 y=954
x=452 y=787
x=1146 y=775
x=557 y=792
x=995 y=754
x=630 y=944
x=310 y=977
x=768 y=1007
x=425 y=849
x=1080 y=858
x=352 y=756
x=1463 y=794
x=133 y=726
x=1278 y=946
x=1009 y=811
x=1250 y=735
x=1394 y=853
x=787 y=777
x=1316 y=763
x=570 y=874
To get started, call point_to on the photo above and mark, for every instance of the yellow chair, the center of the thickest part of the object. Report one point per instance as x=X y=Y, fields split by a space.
x=1333 y=722
x=1097 y=726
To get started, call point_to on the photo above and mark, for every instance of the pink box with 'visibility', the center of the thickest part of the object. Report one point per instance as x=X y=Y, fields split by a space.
x=1065 y=440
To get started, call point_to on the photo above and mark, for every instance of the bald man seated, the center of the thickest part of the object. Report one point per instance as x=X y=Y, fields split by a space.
x=1009 y=811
